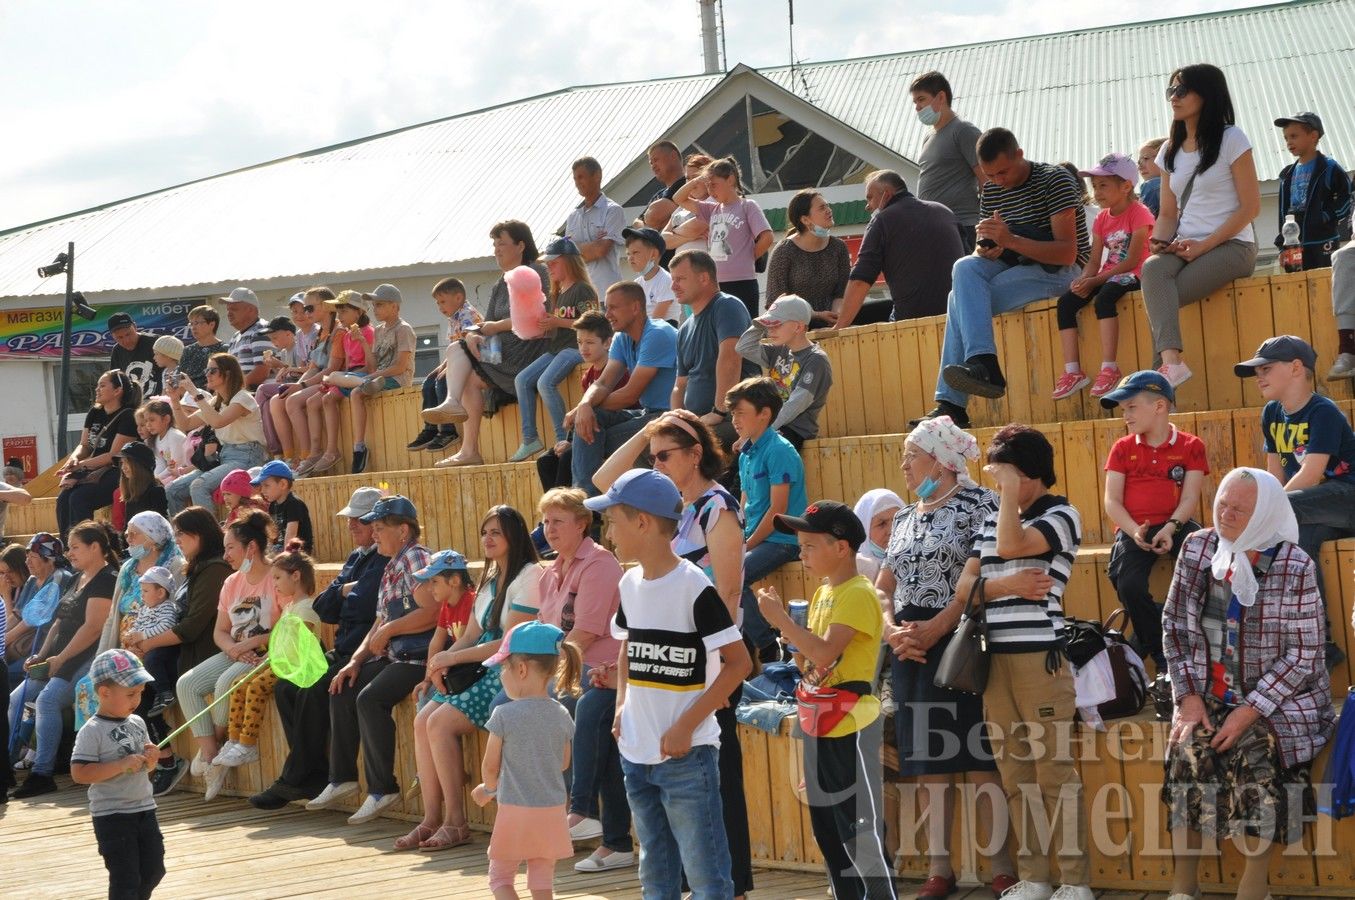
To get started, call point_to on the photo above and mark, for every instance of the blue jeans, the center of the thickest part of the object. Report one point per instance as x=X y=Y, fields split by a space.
x=615 y=427
x=679 y=822
x=195 y=488
x=52 y=698
x=981 y=289
x=597 y=768
x=543 y=375
x=434 y=392
x=758 y=563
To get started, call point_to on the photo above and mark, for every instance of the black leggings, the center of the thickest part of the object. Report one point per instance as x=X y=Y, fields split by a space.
x=1104 y=299
x=77 y=503
x=748 y=292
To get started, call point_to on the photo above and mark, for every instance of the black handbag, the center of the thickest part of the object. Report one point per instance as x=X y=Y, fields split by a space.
x=964 y=664
x=461 y=677
x=203 y=459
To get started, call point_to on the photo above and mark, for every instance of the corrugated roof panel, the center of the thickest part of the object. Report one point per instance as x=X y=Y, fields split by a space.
x=428 y=194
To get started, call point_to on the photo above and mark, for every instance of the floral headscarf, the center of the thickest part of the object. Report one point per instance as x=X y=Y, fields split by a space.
x=952 y=446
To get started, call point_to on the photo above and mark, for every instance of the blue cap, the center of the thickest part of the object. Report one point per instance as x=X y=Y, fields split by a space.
x=122 y=667
x=1144 y=382
x=273 y=469
x=1284 y=348
x=649 y=235
x=561 y=246
x=533 y=637
x=391 y=506
x=441 y=563
x=646 y=490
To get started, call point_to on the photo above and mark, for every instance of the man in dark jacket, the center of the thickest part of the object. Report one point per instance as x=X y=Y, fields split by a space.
x=1315 y=190
x=350 y=603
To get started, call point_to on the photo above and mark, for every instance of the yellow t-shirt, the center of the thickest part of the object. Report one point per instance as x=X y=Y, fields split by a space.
x=854 y=604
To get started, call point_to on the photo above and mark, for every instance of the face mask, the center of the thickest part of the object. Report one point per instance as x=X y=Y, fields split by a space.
x=928 y=116
x=137 y=551
x=650 y=267
x=927 y=488
x=246 y=566
x=820 y=232
x=876 y=550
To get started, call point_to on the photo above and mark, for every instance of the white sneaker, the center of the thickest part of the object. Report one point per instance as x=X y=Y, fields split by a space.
x=216 y=779
x=333 y=793
x=585 y=830
x=198 y=768
x=1182 y=897
x=1029 y=890
x=229 y=756
x=1344 y=367
x=246 y=754
x=614 y=860
x=372 y=807
x=1073 y=892
x=1176 y=374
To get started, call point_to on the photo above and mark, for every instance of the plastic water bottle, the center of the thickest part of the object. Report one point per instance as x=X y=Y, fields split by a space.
x=492 y=351
x=799 y=614
x=1291 y=257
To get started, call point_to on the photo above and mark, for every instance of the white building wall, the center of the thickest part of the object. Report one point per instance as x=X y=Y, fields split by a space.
x=27 y=405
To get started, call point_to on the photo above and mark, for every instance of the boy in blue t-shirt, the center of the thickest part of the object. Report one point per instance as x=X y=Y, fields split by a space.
x=1310 y=447
x=773 y=482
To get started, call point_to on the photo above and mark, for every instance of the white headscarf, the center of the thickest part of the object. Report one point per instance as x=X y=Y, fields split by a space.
x=1271 y=522
x=872 y=503
x=952 y=446
x=154 y=526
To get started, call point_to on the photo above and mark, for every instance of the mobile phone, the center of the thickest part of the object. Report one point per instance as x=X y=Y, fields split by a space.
x=986 y=243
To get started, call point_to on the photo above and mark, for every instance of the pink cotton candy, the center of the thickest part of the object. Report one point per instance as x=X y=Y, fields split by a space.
x=526 y=302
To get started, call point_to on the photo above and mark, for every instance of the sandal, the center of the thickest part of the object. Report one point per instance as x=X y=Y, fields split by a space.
x=445 y=838
x=416 y=837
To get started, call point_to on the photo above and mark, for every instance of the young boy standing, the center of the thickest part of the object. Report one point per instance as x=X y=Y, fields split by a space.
x=840 y=650
x=1309 y=446
x=290 y=513
x=1315 y=190
x=450 y=296
x=681 y=656
x=644 y=247
x=772 y=478
x=779 y=342
x=1154 y=475
x=113 y=754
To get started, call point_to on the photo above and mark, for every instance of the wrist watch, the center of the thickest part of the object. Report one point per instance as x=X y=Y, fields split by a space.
x=1175 y=524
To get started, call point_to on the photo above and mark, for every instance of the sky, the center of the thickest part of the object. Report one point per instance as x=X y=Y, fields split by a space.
x=104 y=99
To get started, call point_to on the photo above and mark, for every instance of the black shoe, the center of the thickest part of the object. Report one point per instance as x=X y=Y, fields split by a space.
x=443 y=441
x=975 y=378
x=423 y=439
x=359 y=461
x=35 y=786
x=166 y=778
x=958 y=414
x=1335 y=656
x=277 y=796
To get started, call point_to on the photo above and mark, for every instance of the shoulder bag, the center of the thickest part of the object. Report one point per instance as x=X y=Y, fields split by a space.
x=964 y=664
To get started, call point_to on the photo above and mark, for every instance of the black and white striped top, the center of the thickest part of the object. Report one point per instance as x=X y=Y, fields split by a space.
x=1016 y=625
x=1028 y=207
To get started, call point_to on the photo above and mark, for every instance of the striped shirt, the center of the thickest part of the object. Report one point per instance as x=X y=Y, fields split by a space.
x=248 y=346
x=1017 y=625
x=1028 y=207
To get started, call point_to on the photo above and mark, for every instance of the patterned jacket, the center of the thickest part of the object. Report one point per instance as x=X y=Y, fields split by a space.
x=1281 y=657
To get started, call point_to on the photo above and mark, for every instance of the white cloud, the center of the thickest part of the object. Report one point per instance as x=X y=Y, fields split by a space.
x=101 y=101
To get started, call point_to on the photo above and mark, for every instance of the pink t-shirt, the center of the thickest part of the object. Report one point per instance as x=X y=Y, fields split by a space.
x=1116 y=234
x=586 y=597
x=733 y=235
x=354 y=354
x=251 y=607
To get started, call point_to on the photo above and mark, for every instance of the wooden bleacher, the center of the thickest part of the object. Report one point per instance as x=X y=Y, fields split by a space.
x=884 y=375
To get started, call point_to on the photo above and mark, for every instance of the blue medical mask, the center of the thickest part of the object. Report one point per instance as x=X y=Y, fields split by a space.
x=137 y=551
x=927 y=488
x=647 y=269
x=246 y=566
x=928 y=116
x=820 y=231
x=876 y=550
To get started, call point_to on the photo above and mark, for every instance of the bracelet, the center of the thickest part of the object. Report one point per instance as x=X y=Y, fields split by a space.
x=490 y=791
x=1174 y=523
x=722 y=413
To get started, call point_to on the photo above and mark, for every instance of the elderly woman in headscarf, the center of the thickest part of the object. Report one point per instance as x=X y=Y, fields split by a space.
x=875 y=510
x=940 y=732
x=1244 y=640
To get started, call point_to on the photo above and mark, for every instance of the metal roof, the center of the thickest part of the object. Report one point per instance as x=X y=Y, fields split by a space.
x=426 y=195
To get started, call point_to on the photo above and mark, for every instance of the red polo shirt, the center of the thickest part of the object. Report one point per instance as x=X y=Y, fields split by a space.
x=1153 y=475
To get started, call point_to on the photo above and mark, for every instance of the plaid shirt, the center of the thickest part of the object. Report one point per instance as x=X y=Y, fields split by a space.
x=1280 y=652
x=395 y=597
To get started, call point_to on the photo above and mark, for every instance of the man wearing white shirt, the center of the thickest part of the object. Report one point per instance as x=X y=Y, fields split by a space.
x=595 y=226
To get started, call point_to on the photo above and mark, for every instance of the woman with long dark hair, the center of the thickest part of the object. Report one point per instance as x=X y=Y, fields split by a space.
x=230 y=411
x=1203 y=238
x=138 y=489
x=507 y=595
x=739 y=232
x=89 y=476
x=810 y=262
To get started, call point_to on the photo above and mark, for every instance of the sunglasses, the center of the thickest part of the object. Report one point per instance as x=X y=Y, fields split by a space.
x=1177 y=91
x=211 y=370
x=310 y=308
x=662 y=455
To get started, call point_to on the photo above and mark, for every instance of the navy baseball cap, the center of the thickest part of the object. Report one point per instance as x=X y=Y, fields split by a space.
x=280 y=323
x=441 y=563
x=274 y=468
x=1311 y=119
x=1284 y=348
x=825 y=517
x=391 y=506
x=561 y=246
x=1146 y=381
x=119 y=320
x=644 y=489
x=649 y=235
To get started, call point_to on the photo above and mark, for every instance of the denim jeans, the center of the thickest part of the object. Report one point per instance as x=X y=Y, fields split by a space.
x=195 y=488
x=52 y=698
x=980 y=290
x=678 y=820
x=597 y=769
x=434 y=392
x=1325 y=512
x=758 y=563
x=615 y=427
x=543 y=375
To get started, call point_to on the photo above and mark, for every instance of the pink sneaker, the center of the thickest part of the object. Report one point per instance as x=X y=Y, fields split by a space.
x=1176 y=375
x=1106 y=380
x=1070 y=383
